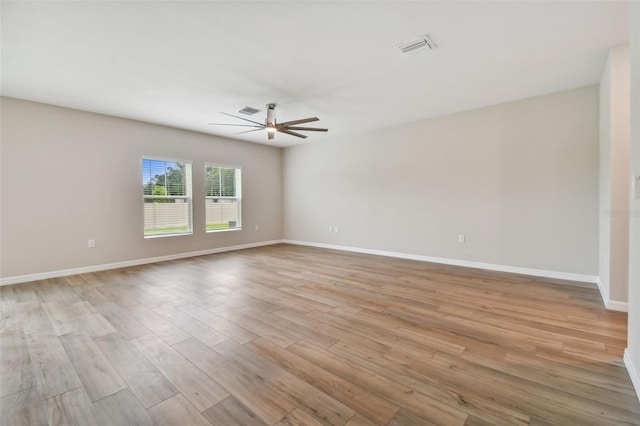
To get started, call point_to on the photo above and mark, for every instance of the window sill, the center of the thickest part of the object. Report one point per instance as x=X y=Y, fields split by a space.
x=167 y=235
x=211 y=231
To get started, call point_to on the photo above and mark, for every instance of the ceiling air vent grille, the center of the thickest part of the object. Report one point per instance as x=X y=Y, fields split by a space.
x=248 y=110
x=414 y=46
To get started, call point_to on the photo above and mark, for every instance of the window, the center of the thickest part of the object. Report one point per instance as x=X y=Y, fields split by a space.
x=223 y=189
x=166 y=185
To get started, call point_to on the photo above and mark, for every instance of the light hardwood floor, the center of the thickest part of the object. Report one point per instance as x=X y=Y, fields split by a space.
x=290 y=335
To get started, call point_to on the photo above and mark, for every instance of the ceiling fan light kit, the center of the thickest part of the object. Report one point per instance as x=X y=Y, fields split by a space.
x=271 y=125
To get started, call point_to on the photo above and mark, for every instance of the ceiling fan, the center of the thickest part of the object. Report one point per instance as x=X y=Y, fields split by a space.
x=272 y=126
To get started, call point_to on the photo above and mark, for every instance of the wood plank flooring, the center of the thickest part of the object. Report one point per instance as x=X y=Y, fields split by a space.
x=290 y=335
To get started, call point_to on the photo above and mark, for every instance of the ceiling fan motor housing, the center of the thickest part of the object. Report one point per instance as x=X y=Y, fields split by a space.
x=271 y=115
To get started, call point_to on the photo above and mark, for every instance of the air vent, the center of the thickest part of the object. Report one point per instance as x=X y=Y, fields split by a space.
x=414 y=46
x=248 y=110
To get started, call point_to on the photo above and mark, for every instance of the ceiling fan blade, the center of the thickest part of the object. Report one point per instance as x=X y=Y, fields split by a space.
x=248 y=131
x=289 y=132
x=307 y=129
x=238 y=125
x=241 y=118
x=301 y=121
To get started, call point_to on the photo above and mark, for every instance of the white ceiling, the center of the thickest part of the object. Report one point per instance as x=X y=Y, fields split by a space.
x=180 y=63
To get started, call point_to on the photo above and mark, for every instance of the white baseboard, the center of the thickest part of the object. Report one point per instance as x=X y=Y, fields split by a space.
x=95 y=268
x=615 y=305
x=634 y=372
x=466 y=263
x=612 y=305
x=604 y=291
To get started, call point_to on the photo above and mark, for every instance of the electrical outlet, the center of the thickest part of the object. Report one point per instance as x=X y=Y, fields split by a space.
x=257 y=227
x=91 y=243
x=461 y=238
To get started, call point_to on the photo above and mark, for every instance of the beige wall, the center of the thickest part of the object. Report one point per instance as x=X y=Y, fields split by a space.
x=512 y=177
x=614 y=177
x=519 y=179
x=86 y=168
x=632 y=357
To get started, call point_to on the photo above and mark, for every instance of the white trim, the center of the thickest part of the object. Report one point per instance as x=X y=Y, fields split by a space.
x=168 y=235
x=469 y=264
x=612 y=305
x=95 y=268
x=634 y=372
x=604 y=291
x=615 y=305
x=220 y=165
x=466 y=263
x=169 y=159
x=224 y=230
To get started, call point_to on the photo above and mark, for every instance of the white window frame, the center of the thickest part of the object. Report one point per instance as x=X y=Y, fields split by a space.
x=237 y=198
x=188 y=197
